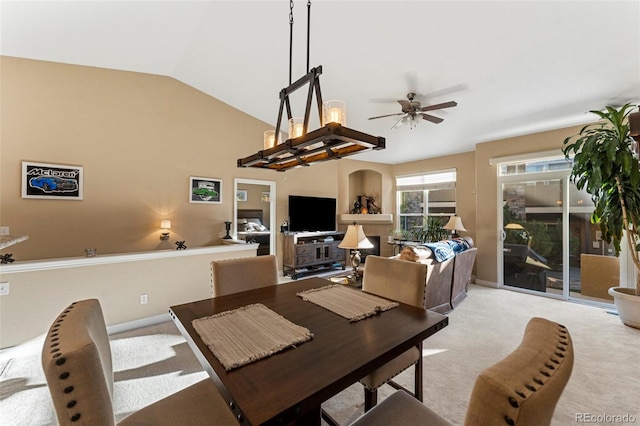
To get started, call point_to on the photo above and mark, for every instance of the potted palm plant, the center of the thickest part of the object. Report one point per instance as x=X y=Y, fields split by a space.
x=605 y=164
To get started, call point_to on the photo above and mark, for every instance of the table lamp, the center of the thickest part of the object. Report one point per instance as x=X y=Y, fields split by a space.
x=455 y=225
x=354 y=240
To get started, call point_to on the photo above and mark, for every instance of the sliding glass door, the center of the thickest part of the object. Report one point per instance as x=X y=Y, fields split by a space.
x=547 y=238
x=532 y=217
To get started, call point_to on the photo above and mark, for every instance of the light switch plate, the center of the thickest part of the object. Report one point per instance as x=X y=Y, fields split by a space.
x=4 y=289
x=4 y=230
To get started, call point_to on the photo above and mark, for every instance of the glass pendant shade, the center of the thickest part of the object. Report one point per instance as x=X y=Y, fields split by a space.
x=334 y=112
x=296 y=127
x=270 y=139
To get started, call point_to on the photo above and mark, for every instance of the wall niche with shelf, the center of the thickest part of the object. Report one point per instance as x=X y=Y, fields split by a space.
x=365 y=183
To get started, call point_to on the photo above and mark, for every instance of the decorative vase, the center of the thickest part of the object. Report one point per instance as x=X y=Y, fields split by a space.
x=627 y=304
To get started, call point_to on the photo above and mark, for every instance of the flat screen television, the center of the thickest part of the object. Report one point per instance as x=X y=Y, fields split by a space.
x=311 y=214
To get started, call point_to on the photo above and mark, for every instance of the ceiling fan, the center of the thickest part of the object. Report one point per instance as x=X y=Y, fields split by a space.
x=413 y=112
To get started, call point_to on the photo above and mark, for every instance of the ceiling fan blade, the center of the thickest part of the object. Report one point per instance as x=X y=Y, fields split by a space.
x=439 y=106
x=432 y=119
x=386 y=115
x=399 y=123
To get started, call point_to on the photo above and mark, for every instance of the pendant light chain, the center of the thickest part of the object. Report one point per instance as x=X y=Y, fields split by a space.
x=331 y=141
x=290 y=38
x=308 y=30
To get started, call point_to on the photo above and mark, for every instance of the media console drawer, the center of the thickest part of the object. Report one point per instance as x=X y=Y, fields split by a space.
x=302 y=249
x=305 y=260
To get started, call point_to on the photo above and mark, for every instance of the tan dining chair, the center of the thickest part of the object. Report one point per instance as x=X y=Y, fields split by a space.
x=522 y=389
x=76 y=359
x=404 y=282
x=246 y=273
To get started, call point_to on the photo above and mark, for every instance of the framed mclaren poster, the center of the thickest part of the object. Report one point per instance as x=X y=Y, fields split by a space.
x=51 y=181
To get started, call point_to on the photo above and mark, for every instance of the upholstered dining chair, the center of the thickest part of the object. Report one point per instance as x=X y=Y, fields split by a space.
x=522 y=389
x=235 y=275
x=76 y=359
x=404 y=282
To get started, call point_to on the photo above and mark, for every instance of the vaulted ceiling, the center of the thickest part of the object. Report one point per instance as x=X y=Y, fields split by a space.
x=514 y=67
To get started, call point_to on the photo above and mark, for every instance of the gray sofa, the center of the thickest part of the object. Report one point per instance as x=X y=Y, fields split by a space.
x=447 y=281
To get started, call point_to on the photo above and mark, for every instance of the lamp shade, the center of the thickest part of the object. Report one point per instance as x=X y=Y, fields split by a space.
x=355 y=238
x=454 y=224
x=165 y=224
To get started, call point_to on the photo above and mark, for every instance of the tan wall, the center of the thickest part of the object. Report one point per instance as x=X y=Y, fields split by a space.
x=139 y=137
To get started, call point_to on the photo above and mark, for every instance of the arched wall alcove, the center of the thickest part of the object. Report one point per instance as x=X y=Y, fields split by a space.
x=367 y=183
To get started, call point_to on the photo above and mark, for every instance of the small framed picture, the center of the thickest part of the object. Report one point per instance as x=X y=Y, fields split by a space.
x=266 y=197
x=51 y=181
x=205 y=190
x=241 y=195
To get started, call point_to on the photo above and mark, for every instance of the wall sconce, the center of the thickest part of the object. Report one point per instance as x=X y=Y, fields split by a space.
x=165 y=225
x=334 y=112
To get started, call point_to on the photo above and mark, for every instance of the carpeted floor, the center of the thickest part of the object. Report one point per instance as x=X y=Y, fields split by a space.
x=152 y=362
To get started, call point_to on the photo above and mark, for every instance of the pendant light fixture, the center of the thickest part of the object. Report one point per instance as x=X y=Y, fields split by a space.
x=333 y=140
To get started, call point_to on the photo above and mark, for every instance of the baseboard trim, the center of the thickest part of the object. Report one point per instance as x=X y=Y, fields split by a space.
x=143 y=322
x=486 y=283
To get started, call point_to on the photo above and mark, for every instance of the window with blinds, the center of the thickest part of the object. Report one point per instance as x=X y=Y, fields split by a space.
x=423 y=195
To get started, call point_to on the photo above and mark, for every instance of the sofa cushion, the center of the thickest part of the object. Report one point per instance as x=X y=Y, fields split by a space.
x=447 y=249
x=415 y=253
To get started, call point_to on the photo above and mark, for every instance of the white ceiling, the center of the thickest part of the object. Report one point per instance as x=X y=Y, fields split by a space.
x=514 y=67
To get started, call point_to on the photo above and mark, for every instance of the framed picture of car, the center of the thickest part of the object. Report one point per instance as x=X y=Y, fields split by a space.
x=205 y=190
x=51 y=181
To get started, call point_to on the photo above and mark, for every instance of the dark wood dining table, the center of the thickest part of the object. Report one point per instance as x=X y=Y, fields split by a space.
x=290 y=386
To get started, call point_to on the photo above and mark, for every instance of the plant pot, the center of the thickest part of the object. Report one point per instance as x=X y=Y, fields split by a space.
x=627 y=304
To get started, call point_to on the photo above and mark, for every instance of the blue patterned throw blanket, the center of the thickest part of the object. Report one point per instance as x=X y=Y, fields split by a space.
x=447 y=249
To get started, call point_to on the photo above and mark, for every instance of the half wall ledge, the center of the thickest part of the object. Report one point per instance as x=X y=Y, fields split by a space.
x=73 y=262
x=365 y=218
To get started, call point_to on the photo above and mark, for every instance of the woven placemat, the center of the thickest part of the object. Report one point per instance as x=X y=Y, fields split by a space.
x=346 y=302
x=248 y=334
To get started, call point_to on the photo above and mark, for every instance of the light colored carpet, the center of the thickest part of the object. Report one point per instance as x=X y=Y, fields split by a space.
x=152 y=362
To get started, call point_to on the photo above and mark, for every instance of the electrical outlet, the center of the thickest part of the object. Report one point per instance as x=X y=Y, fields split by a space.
x=4 y=230
x=4 y=289
x=143 y=299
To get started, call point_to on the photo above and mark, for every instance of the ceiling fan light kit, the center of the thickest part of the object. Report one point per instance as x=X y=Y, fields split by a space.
x=413 y=112
x=331 y=141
